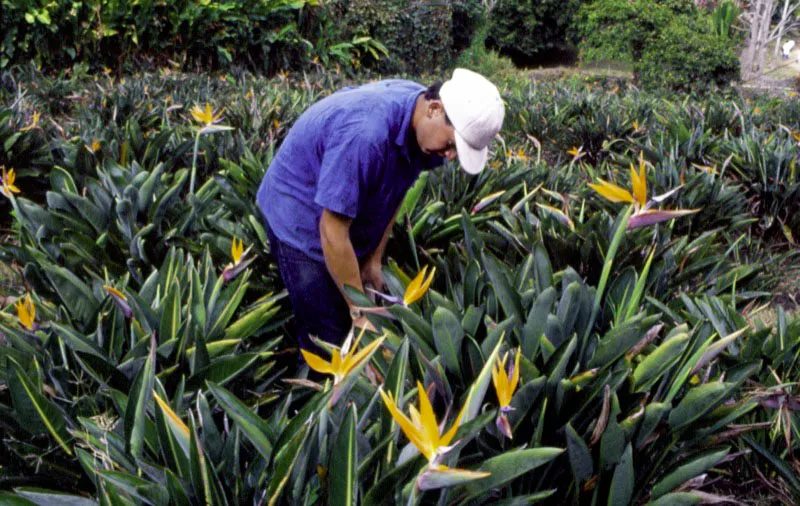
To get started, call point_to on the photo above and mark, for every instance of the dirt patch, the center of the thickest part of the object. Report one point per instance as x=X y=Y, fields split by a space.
x=617 y=71
x=786 y=295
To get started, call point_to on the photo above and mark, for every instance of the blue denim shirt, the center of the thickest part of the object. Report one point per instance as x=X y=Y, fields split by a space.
x=353 y=153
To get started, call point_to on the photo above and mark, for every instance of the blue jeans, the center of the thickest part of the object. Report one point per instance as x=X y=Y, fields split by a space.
x=319 y=307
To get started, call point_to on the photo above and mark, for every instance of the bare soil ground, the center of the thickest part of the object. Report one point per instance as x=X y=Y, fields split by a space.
x=781 y=76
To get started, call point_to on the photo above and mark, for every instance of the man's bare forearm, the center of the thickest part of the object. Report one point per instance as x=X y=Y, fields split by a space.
x=340 y=257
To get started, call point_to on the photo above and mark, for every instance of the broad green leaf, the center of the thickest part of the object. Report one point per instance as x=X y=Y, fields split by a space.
x=472 y=239
x=509 y=465
x=77 y=342
x=411 y=198
x=138 y=400
x=544 y=270
x=87 y=210
x=61 y=180
x=617 y=341
x=222 y=308
x=216 y=348
x=170 y=313
x=685 y=472
x=448 y=334
x=158 y=209
x=222 y=370
x=253 y=319
x=285 y=460
x=144 y=490
x=25 y=412
x=178 y=428
x=8 y=499
x=612 y=443
x=18 y=341
x=43 y=497
x=44 y=409
x=508 y=297
x=444 y=478
x=478 y=389
x=393 y=384
x=384 y=490
x=74 y=293
x=255 y=428
x=653 y=414
x=177 y=493
x=502 y=329
x=685 y=370
x=601 y=287
x=699 y=401
x=623 y=480
x=417 y=328
x=472 y=319
x=198 y=301
x=145 y=198
x=569 y=307
x=662 y=358
x=101 y=370
x=580 y=458
x=201 y=481
x=536 y=322
x=524 y=399
x=472 y=279
x=344 y=462
x=633 y=303
x=557 y=365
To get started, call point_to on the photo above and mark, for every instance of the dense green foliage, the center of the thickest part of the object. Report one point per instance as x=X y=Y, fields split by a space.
x=672 y=44
x=423 y=36
x=639 y=369
x=529 y=28
x=263 y=35
x=687 y=56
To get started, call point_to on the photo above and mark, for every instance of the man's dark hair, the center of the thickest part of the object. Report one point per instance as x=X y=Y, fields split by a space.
x=432 y=93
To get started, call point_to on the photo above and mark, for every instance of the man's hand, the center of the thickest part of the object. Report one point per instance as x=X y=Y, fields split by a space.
x=371 y=274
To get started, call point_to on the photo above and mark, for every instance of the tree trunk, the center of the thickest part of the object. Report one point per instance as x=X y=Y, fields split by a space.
x=763 y=34
x=758 y=18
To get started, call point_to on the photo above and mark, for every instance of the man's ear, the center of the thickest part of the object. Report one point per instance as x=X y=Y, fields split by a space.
x=435 y=107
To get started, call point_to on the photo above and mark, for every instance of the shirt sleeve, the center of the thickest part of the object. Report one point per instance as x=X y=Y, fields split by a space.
x=348 y=164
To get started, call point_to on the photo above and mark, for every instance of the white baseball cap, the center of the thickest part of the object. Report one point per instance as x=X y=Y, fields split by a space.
x=476 y=111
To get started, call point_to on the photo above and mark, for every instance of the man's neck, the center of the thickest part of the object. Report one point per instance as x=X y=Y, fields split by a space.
x=419 y=112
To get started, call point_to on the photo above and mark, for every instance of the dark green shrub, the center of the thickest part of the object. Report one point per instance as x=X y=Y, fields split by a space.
x=486 y=61
x=687 y=55
x=418 y=35
x=525 y=28
x=671 y=43
x=217 y=33
x=467 y=20
x=621 y=29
